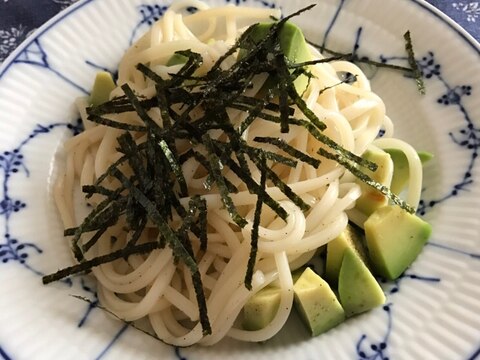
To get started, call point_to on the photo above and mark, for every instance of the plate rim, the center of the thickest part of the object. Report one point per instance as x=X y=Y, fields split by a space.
x=10 y=60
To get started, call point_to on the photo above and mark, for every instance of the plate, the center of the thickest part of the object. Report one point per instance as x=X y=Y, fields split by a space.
x=432 y=311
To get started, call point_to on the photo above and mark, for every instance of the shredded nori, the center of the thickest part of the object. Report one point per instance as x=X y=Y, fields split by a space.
x=366 y=179
x=88 y=264
x=256 y=223
x=281 y=144
x=115 y=124
x=216 y=172
x=352 y=57
x=174 y=243
x=417 y=73
x=175 y=166
x=284 y=188
x=152 y=188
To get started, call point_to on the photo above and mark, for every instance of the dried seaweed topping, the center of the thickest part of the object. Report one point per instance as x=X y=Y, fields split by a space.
x=150 y=174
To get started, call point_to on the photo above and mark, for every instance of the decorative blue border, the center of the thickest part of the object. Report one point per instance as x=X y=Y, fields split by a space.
x=454 y=26
x=4 y=355
x=32 y=53
x=10 y=60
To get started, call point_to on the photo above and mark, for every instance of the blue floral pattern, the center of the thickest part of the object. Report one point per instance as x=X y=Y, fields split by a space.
x=465 y=13
x=10 y=38
x=471 y=10
x=12 y=162
x=149 y=14
x=379 y=349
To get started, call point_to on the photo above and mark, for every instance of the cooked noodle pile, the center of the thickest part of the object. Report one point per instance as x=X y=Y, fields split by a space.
x=156 y=287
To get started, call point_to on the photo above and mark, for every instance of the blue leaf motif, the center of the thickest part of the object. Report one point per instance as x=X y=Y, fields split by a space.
x=428 y=66
x=468 y=137
x=151 y=13
x=10 y=38
x=454 y=95
x=13 y=250
x=379 y=349
x=148 y=15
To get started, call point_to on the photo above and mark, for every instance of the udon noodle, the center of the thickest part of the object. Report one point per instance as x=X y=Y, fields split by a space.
x=154 y=286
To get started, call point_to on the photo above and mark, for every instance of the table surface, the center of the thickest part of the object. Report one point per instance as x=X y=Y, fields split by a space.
x=18 y=18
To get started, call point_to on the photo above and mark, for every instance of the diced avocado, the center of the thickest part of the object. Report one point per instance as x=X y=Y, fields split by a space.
x=394 y=239
x=357 y=287
x=293 y=45
x=261 y=308
x=425 y=156
x=316 y=263
x=317 y=303
x=102 y=88
x=401 y=171
x=297 y=273
x=351 y=238
x=372 y=199
x=177 y=59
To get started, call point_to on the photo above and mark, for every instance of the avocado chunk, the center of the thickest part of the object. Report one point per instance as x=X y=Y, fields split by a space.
x=261 y=308
x=102 y=87
x=358 y=289
x=372 y=199
x=293 y=45
x=177 y=59
x=394 y=239
x=401 y=172
x=351 y=238
x=297 y=273
x=317 y=304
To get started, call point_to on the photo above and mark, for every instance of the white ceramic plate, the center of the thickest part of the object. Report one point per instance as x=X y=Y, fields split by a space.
x=433 y=312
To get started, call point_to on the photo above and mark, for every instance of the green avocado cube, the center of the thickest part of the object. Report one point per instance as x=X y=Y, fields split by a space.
x=261 y=308
x=317 y=304
x=351 y=238
x=358 y=289
x=297 y=273
x=177 y=59
x=102 y=87
x=372 y=199
x=293 y=45
x=394 y=239
x=401 y=172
